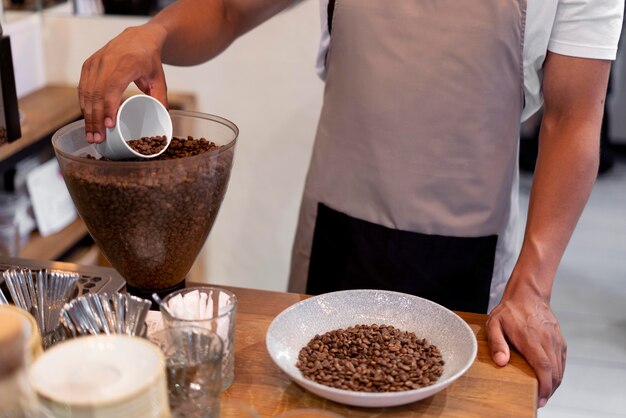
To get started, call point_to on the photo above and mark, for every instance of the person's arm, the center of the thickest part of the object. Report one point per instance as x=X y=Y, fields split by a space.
x=567 y=165
x=188 y=32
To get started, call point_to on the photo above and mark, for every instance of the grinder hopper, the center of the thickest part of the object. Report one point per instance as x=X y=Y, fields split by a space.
x=150 y=218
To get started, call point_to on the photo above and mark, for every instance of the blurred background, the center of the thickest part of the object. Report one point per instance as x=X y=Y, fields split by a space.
x=267 y=85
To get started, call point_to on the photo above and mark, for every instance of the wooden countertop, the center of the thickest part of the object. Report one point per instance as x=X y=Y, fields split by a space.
x=485 y=391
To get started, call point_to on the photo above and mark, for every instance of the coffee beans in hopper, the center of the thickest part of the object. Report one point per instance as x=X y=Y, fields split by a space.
x=151 y=219
x=179 y=148
x=371 y=358
x=148 y=145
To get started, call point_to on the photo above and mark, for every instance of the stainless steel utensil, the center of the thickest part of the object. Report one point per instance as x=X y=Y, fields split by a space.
x=114 y=313
x=42 y=293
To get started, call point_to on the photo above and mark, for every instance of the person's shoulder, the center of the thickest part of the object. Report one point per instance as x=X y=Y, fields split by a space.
x=566 y=11
x=587 y=28
x=587 y=12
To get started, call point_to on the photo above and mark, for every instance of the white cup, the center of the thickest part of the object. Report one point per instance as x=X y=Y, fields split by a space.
x=138 y=117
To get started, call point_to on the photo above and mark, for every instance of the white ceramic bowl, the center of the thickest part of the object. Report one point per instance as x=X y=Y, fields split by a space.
x=293 y=328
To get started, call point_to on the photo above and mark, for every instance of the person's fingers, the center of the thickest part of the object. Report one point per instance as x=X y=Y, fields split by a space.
x=158 y=88
x=531 y=348
x=154 y=86
x=92 y=95
x=143 y=84
x=132 y=55
x=555 y=347
x=82 y=84
x=498 y=346
x=563 y=358
x=541 y=364
x=552 y=351
x=83 y=93
x=107 y=94
x=560 y=348
x=111 y=103
x=97 y=106
x=530 y=326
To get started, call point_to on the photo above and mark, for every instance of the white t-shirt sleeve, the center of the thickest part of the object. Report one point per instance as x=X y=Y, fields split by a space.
x=587 y=28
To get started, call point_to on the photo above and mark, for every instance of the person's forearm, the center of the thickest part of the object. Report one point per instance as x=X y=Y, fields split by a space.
x=194 y=31
x=567 y=165
x=574 y=90
x=566 y=168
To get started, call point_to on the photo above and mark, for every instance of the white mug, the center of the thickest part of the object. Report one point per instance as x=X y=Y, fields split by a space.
x=138 y=117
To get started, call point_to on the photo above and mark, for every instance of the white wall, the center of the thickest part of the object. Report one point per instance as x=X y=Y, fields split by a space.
x=265 y=83
x=24 y=30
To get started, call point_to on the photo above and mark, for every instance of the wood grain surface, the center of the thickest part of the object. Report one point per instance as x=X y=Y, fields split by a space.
x=485 y=391
x=44 y=111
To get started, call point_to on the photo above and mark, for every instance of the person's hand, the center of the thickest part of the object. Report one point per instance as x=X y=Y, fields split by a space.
x=524 y=318
x=134 y=55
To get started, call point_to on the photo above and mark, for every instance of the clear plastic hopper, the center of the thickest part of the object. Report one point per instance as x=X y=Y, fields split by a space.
x=150 y=218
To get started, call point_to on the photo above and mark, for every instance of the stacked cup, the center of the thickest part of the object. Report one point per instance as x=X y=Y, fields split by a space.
x=193 y=357
x=102 y=376
x=211 y=308
x=16 y=398
x=32 y=338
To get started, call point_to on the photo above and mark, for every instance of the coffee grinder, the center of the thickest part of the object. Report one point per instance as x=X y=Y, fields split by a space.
x=150 y=218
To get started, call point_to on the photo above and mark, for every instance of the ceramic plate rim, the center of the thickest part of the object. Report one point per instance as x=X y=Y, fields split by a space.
x=385 y=398
x=147 y=385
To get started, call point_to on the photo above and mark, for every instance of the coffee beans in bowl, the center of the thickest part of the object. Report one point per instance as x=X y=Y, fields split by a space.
x=336 y=346
x=370 y=358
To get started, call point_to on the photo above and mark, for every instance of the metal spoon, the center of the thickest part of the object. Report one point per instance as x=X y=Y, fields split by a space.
x=161 y=304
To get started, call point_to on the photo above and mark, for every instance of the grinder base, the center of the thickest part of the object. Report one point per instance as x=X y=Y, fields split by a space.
x=147 y=294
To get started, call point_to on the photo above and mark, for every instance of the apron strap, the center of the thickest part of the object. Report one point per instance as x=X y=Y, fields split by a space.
x=329 y=14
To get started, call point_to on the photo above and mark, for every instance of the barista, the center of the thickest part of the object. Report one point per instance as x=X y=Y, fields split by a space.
x=413 y=180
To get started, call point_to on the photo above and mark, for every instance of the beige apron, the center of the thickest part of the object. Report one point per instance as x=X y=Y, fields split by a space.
x=418 y=133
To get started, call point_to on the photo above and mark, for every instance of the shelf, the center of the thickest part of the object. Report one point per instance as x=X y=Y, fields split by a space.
x=45 y=111
x=54 y=246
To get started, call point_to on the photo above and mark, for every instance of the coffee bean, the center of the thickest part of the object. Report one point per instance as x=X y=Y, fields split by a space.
x=148 y=145
x=371 y=358
x=151 y=217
